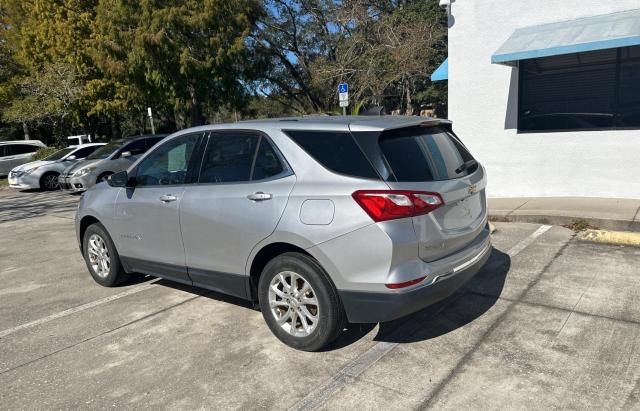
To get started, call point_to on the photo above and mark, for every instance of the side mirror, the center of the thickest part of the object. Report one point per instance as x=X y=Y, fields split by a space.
x=70 y=158
x=125 y=154
x=120 y=179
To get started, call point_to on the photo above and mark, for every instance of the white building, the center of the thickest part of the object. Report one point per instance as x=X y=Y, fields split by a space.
x=546 y=94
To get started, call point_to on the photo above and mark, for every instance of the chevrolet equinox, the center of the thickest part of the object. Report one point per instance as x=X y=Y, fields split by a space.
x=320 y=220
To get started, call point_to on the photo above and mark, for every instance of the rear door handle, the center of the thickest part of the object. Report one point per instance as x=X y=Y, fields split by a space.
x=168 y=198
x=259 y=196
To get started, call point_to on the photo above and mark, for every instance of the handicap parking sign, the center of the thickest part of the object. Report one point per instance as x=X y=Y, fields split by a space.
x=343 y=88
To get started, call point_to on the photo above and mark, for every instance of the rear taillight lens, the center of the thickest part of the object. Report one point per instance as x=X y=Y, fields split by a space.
x=395 y=286
x=383 y=205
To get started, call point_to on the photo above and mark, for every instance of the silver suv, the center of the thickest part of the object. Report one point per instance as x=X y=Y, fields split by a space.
x=113 y=157
x=321 y=220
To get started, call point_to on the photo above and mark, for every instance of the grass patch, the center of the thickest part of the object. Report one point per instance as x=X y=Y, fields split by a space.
x=4 y=182
x=580 y=225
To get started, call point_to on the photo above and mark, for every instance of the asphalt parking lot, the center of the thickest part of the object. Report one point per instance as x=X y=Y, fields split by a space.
x=550 y=322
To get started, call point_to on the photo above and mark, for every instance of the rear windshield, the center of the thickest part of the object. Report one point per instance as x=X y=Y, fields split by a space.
x=105 y=151
x=424 y=154
x=335 y=150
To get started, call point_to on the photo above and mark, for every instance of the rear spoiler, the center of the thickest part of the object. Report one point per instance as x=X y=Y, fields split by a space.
x=402 y=123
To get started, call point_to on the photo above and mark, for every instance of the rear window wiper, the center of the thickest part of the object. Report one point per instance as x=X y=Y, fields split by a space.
x=466 y=165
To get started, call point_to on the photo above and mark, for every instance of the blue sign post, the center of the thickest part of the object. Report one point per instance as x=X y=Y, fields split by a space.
x=343 y=97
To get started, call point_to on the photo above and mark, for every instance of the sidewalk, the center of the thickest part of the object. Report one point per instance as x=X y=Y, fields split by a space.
x=605 y=213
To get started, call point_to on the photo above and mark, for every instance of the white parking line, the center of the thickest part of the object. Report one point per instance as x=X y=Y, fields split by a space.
x=528 y=241
x=359 y=365
x=83 y=307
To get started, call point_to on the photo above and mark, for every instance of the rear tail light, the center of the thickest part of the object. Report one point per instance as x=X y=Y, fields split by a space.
x=383 y=205
x=395 y=286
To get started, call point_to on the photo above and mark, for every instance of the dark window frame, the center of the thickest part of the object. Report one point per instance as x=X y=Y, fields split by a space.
x=352 y=136
x=91 y=149
x=31 y=147
x=616 y=111
x=286 y=167
x=126 y=147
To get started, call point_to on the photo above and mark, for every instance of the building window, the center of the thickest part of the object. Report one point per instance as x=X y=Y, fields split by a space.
x=582 y=91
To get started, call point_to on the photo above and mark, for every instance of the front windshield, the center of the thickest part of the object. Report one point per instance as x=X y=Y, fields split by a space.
x=59 y=154
x=104 y=151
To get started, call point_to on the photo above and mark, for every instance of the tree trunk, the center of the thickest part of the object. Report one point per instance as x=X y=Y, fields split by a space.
x=25 y=129
x=197 y=118
x=409 y=101
x=116 y=133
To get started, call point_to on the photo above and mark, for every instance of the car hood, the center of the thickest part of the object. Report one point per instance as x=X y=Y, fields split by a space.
x=78 y=165
x=33 y=164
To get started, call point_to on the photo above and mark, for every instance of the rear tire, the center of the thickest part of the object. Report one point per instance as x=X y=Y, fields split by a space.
x=49 y=181
x=299 y=302
x=101 y=257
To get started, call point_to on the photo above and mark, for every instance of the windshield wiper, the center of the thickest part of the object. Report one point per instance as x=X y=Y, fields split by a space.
x=466 y=165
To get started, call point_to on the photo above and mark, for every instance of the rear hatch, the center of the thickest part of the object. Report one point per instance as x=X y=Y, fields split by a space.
x=432 y=159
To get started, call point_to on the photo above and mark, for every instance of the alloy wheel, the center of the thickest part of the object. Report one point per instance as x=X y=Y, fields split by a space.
x=294 y=304
x=51 y=182
x=99 y=255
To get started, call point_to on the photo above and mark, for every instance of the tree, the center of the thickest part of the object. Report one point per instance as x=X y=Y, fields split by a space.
x=187 y=56
x=47 y=41
x=384 y=49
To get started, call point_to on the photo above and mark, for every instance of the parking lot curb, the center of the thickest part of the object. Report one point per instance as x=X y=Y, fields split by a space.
x=611 y=237
x=603 y=223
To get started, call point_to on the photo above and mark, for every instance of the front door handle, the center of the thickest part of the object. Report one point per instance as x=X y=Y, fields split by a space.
x=168 y=198
x=259 y=196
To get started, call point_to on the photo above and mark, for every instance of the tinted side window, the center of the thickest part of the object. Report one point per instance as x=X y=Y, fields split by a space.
x=336 y=151
x=267 y=163
x=136 y=148
x=168 y=164
x=150 y=142
x=83 y=152
x=228 y=158
x=17 y=149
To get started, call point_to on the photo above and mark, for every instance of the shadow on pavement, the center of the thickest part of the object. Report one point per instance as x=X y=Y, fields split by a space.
x=463 y=307
x=18 y=205
x=454 y=312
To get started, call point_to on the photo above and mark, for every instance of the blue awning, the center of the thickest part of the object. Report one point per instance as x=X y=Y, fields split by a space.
x=442 y=72
x=607 y=31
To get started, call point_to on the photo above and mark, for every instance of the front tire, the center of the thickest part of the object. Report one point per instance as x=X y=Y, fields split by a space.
x=101 y=257
x=299 y=303
x=49 y=182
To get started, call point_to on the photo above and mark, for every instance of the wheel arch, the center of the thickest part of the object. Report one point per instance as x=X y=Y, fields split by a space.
x=85 y=222
x=262 y=257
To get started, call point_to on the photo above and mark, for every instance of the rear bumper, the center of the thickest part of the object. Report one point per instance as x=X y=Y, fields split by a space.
x=374 y=307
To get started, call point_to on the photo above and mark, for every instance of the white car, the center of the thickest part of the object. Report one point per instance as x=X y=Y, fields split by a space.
x=15 y=153
x=43 y=174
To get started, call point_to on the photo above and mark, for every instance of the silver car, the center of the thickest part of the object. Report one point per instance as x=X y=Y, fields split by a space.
x=116 y=156
x=43 y=174
x=320 y=220
x=15 y=153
